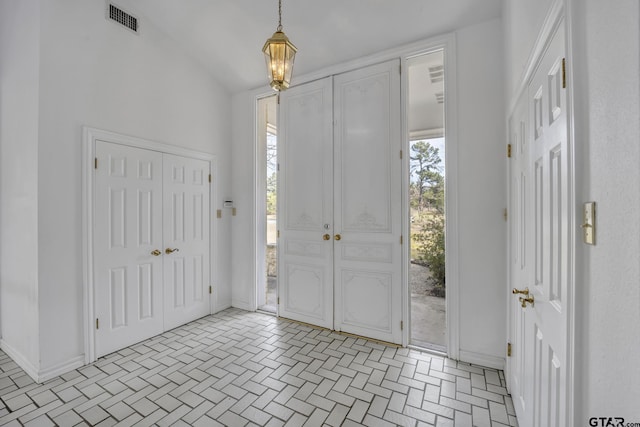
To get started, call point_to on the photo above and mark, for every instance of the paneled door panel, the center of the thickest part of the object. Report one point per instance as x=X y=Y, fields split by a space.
x=127 y=276
x=540 y=330
x=305 y=151
x=367 y=202
x=186 y=239
x=519 y=257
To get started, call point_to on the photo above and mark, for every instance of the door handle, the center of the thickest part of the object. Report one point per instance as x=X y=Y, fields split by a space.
x=169 y=251
x=326 y=237
x=156 y=252
x=524 y=301
x=525 y=291
x=337 y=237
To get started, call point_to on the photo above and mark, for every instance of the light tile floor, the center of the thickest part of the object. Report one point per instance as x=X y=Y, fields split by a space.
x=237 y=368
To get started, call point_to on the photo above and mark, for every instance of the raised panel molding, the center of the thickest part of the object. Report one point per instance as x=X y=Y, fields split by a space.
x=303 y=248
x=305 y=291
x=370 y=252
x=367 y=299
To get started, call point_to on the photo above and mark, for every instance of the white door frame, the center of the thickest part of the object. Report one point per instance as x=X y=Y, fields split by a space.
x=89 y=138
x=446 y=42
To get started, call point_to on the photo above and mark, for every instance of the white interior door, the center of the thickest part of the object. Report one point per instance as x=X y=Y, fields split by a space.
x=127 y=276
x=519 y=255
x=305 y=245
x=367 y=202
x=541 y=399
x=186 y=239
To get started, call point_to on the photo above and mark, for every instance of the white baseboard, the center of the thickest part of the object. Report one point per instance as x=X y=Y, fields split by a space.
x=60 y=368
x=242 y=305
x=40 y=375
x=482 y=359
x=20 y=360
x=220 y=308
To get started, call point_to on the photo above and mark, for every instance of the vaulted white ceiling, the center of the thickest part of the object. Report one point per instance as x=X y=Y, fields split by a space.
x=227 y=35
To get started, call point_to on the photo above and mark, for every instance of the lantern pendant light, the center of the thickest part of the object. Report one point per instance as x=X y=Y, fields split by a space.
x=279 y=54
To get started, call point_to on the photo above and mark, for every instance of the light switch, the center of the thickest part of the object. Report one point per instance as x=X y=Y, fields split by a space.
x=589 y=223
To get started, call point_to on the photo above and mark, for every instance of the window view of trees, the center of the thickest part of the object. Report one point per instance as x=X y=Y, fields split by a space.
x=427 y=209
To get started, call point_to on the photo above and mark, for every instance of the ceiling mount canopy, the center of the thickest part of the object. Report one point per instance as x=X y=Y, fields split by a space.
x=279 y=54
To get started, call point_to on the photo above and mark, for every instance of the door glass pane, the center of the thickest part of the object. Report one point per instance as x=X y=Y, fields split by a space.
x=426 y=195
x=267 y=200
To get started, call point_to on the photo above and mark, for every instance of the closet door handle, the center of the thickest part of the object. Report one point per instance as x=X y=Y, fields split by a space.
x=337 y=237
x=156 y=252
x=326 y=237
x=169 y=251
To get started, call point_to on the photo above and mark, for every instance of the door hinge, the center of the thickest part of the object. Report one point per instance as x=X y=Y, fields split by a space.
x=505 y=214
x=509 y=151
x=508 y=349
x=401 y=239
x=209 y=177
x=95 y=163
x=400 y=154
x=210 y=289
x=278 y=300
x=278 y=167
x=278 y=233
x=278 y=98
x=97 y=323
x=564 y=74
x=401 y=325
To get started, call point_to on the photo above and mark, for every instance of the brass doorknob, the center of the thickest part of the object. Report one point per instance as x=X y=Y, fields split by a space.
x=170 y=251
x=525 y=291
x=326 y=237
x=156 y=252
x=524 y=301
x=337 y=237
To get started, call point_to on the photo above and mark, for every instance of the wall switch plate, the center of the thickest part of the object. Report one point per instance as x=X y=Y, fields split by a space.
x=589 y=223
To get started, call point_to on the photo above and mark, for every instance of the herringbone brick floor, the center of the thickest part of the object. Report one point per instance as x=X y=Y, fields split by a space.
x=237 y=368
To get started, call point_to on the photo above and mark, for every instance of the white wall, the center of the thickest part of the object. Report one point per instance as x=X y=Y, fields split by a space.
x=19 y=84
x=482 y=190
x=91 y=72
x=607 y=92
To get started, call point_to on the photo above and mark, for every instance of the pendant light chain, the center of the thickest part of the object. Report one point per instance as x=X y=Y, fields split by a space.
x=279 y=15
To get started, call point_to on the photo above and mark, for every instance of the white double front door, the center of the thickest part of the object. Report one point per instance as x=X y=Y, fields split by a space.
x=540 y=268
x=151 y=243
x=340 y=249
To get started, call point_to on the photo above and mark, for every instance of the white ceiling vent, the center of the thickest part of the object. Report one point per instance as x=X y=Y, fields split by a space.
x=436 y=74
x=123 y=18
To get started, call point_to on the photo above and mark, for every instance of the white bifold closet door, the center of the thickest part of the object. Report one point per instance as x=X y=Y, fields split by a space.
x=340 y=185
x=151 y=244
